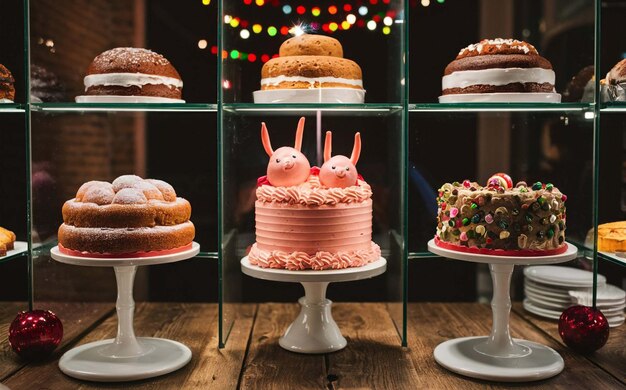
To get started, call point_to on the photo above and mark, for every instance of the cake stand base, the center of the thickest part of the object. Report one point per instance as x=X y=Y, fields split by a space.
x=314 y=330
x=463 y=357
x=93 y=361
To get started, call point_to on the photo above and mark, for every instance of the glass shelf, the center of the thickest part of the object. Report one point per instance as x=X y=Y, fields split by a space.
x=613 y=107
x=11 y=107
x=115 y=107
x=504 y=107
x=13 y=255
x=613 y=258
x=289 y=109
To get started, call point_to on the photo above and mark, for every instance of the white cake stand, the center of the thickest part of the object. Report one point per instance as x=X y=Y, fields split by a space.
x=498 y=357
x=125 y=358
x=314 y=330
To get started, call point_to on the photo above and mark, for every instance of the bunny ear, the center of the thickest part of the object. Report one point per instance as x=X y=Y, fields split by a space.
x=299 y=134
x=356 y=152
x=328 y=144
x=265 y=138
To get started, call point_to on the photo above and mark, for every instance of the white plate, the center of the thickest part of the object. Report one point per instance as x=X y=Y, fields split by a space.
x=614 y=319
x=130 y=261
x=18 y=247
x=546 y=293
x=314 y=95
x=562 y=276
x=542 y=298
x=3 y=100
x=90 y=362
x=608 y=294
x=332 y=275
x=509 y=97
x=461 y=356
x=124 y=99
x=569 y=254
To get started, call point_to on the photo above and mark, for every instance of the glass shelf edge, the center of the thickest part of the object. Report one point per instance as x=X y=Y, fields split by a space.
x=613 y=258
x=499 y=107
x=13 y=256
x=312 y=107
x=11 y=107
x=123 y=107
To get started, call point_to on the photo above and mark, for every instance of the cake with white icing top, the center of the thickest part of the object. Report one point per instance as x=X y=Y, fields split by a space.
x=498 y=66
x=308 y=62
x=129 y=71
x=499 y=219
x=312 y=218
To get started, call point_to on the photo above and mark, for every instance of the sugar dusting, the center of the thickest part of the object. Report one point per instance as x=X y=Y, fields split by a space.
x=499 y=43
x=132 y=55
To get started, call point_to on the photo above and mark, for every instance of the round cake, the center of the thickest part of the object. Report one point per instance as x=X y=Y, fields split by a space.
x=499 y=219
x=7 y=241
x=129 y=71
x=316 y=218
x=496 y=66
x=7 y=85
x=127 y=216
x=310 y=61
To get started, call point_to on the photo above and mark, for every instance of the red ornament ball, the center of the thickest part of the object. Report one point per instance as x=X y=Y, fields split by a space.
x=35 y=334
x=583 y=328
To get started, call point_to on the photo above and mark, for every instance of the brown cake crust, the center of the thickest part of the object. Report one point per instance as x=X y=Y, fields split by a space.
x=154 y=213
x=132 y=60
x=147 y=90
x=498 y=46
x=312 y=67
x=490 y=61
x=513 y=87
x=7 y=84
x=129 y=215
x=126 y=240
x=311 y=45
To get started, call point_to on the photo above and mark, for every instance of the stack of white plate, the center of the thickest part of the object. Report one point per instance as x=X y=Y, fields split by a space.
x=550 y=289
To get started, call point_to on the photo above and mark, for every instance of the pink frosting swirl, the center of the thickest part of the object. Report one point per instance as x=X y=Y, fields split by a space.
x=311 y=193
x=322 y=260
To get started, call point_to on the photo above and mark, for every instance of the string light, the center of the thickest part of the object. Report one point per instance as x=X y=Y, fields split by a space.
x=386 y=30
x=206 y=2
x=271 y=31
x=332 y=10
x=351 y=19
x=363 y=10
x=287 y=9
x=425 y=3
x=316 y=11
x=371 y=25
x=202 y=44
x=300 y=10
x=257 y=28
x=244 y=34
x=387 y=21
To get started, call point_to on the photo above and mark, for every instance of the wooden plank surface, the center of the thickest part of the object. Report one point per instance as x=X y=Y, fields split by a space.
x=611 y=357
x=195 y=325
x=268 y=366
x=79 y=318
x=9 y=363
x=433 y=323
x=373 y=358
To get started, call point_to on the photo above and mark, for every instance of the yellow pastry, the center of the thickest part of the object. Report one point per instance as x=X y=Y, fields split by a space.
x=612 y=237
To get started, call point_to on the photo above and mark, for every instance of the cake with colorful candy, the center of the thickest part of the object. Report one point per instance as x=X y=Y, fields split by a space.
x=129 y=217
x=309 y=217
x=501 y=219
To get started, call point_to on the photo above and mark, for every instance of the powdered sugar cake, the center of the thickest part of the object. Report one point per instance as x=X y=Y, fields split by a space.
x=312 y=218
x=127 y=216
x=130 y=71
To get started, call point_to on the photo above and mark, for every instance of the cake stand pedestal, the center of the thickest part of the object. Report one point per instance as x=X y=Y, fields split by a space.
x=126 y=357
x=314 y=330
x=498 y=357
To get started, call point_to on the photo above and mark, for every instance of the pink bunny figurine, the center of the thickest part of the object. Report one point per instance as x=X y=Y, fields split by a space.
x=340 y=171
x=288 y=166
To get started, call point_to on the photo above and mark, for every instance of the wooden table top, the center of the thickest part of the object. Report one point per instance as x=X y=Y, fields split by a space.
x=373 y=358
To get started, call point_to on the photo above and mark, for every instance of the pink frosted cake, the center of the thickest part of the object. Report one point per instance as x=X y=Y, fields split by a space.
x=312 y=218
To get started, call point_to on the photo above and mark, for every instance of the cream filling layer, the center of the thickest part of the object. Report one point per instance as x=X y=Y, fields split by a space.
x=130 y=80
x=311 y=80
x=500 y=76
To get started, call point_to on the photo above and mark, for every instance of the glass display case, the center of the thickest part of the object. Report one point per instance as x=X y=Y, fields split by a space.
x=209 y=148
